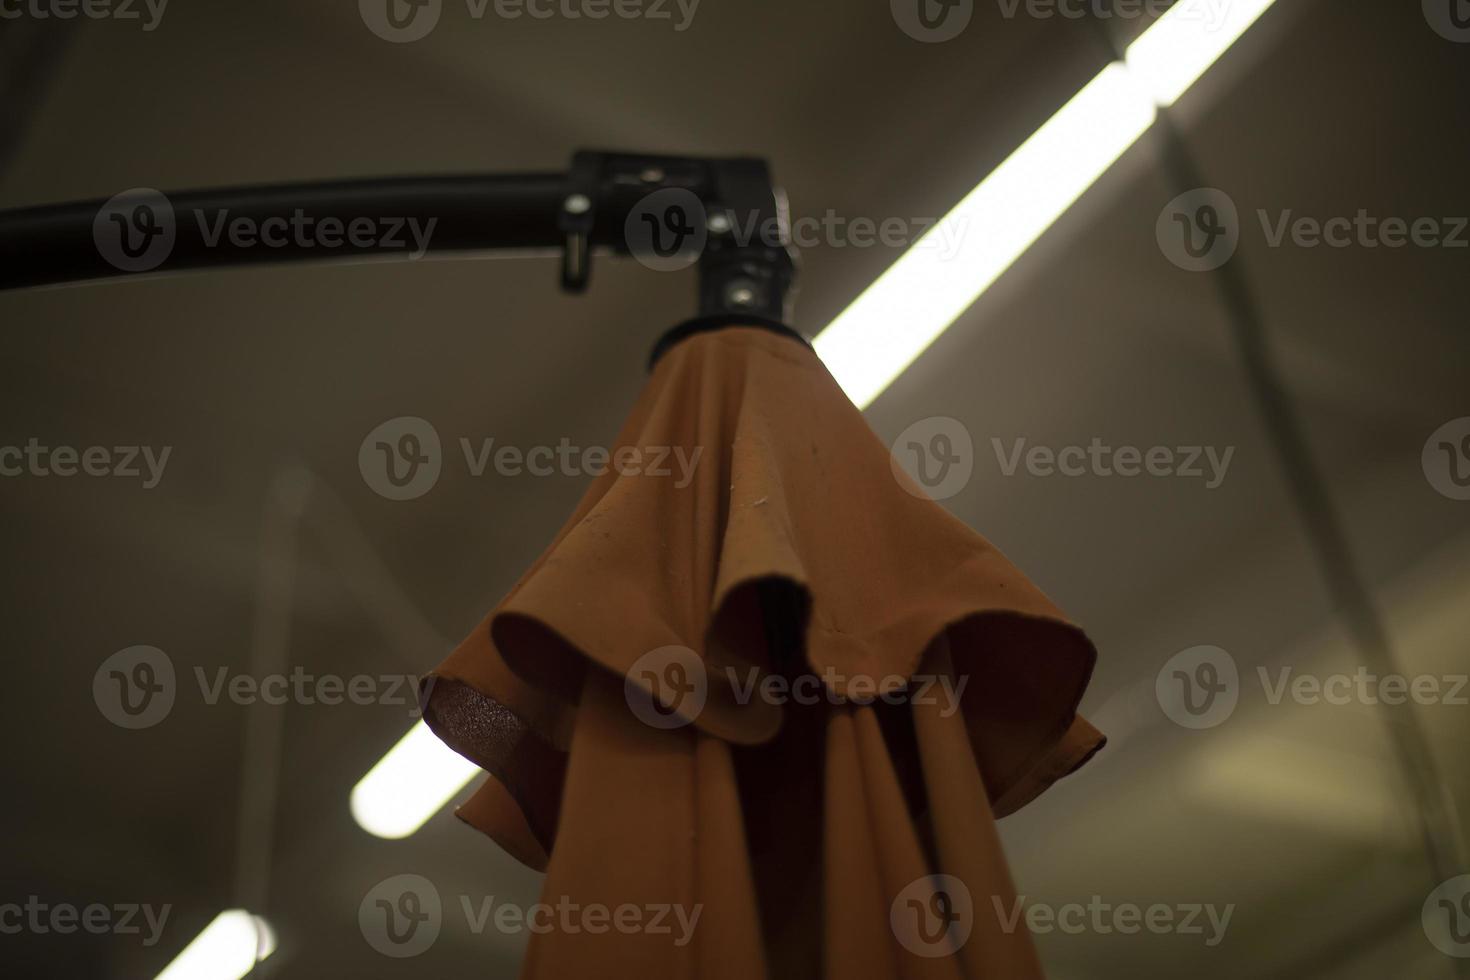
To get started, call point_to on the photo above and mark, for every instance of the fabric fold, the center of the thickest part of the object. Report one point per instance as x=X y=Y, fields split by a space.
x=749 y=582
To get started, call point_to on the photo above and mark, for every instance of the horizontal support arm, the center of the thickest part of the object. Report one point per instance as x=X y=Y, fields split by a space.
x=592 y=207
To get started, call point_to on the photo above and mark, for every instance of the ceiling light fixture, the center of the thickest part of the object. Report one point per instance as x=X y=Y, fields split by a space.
x=916 y=299
x=227 y=949
x=410 y=784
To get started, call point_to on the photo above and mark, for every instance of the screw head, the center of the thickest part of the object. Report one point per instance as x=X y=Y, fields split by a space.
x=740 y=295
x=577 y=204
x=718 y=223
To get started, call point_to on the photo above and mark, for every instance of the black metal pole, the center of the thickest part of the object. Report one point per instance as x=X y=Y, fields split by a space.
x=668 y=211
x=389 y=218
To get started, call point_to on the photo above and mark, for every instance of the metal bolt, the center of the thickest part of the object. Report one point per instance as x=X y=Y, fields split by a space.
x=740 y=294
x=577 y=204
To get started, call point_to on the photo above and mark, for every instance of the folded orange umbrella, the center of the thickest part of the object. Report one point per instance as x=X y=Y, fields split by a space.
x=756 y=708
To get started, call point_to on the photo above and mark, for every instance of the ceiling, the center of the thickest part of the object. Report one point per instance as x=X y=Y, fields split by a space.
x=263 y=537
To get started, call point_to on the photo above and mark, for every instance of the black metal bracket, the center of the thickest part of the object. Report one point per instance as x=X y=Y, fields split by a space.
x=668 y=212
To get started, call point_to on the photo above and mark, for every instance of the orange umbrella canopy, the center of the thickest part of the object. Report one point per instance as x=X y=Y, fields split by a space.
x=756 y=708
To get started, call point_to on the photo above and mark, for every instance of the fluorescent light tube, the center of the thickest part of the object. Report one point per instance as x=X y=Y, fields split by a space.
x=227 y=949
x=915 y=300
x=896 y=318
x=1191 y=36
x=410 y=784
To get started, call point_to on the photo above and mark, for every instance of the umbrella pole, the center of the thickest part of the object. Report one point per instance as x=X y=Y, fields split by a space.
x=724 y=214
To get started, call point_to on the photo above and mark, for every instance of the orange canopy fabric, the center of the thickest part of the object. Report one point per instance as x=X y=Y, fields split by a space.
x=778 y=692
